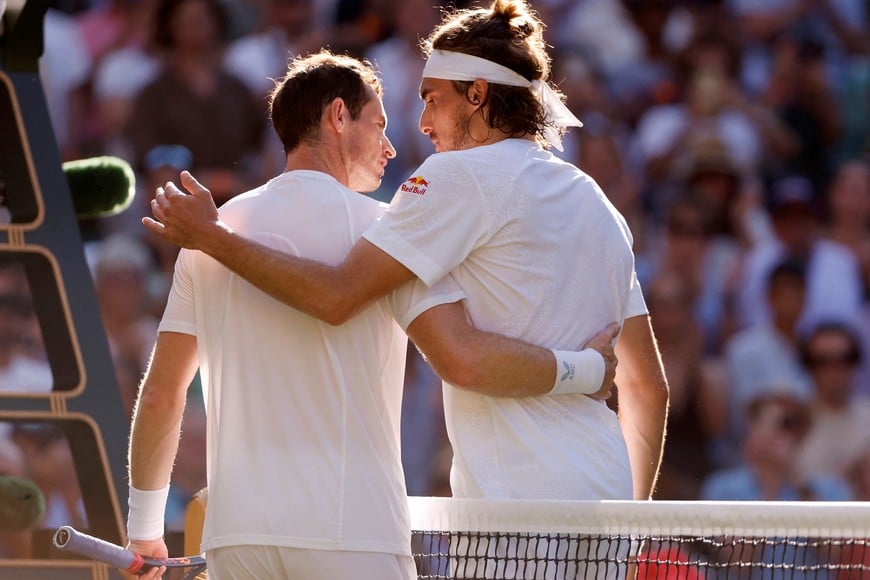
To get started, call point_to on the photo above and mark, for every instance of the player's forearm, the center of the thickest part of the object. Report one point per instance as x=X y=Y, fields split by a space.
x=643 y=402
x=643 y=422
x=471 y=359
x=314 y=288
x=159 y=409
x=154 y=439
x=503 y=367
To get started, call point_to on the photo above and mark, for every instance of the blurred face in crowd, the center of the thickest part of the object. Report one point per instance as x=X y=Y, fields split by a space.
x=850 y=192
x=831 y=358
x=786 y=296
x=294 y=17
x=776 y=428
x=193 y=26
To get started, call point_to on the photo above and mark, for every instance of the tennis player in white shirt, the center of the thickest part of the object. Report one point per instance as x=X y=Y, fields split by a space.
x=303 y=461
x=534 y=243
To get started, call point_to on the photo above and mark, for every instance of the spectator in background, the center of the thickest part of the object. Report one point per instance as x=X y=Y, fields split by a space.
x=122 y=272
x=840 y=429
x=681 y=247
x=64 y=69
x=838 y=25
x=120 y=74
x=858 y=476
x=23 y=365
x=161 y=164
x=767 y=352
x=359 y=24
x=188 y=474
x=848 y=205
x=290 y=28
x=51 y=467
x=196 y=103
x=711 y=105
x=664 y=28
x=799 y=90
x=713 y=184
x=848 y=223
x=833 y=281
x=598 y=151
x=777 y=423
x=625 y=46
x=697 y=390
x=111 y=24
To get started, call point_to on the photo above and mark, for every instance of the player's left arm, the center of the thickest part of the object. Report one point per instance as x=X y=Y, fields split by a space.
x=643 y=401
x=331 y=293
x=492 y=364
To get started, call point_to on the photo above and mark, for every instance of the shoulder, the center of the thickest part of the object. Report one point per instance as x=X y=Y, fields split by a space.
x=441 y=171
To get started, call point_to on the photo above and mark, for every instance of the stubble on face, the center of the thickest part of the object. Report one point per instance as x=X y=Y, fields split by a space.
x=364 y=150
x=461 y=137
x=360 y=177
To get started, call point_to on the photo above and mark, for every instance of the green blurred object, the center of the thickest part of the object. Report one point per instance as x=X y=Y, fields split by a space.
x=21 y=504
x=100 y=186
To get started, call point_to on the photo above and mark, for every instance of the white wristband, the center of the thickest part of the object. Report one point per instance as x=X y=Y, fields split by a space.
x=146 y=513
x=578 y=372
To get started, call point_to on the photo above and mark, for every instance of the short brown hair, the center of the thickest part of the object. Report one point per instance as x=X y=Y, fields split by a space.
x=312 y=82
x=510 y=34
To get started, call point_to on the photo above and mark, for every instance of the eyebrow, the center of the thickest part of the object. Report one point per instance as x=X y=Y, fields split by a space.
x=424 y=92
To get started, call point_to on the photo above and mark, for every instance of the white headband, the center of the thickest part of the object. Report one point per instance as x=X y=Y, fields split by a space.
x=457 y=66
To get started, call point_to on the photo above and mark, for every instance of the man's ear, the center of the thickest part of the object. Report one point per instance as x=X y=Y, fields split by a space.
x=337 y=115
x=477 y=92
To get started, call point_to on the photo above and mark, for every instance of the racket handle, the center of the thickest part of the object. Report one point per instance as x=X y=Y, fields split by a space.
x=68 y=538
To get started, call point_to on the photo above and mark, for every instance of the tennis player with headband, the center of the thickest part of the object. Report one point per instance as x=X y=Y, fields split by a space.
x=537 y=247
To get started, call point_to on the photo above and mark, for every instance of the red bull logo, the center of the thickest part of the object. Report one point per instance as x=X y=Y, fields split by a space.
x=416 y=184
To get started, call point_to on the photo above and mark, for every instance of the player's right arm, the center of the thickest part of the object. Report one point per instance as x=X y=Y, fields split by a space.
x=331 y=293
x=156 y=429
x=492 y=364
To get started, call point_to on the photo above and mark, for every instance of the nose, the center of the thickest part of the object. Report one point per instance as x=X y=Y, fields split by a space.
x=389 y=150
x=425 y=123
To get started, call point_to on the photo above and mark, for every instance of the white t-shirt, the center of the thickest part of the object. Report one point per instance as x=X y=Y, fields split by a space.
x=543 y=256
x=303 y=417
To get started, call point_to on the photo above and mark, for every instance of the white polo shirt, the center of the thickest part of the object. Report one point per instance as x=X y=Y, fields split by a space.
x=303 y=417
x=543 y=256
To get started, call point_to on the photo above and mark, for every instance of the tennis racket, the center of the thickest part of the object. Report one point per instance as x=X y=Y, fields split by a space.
x=68 y=538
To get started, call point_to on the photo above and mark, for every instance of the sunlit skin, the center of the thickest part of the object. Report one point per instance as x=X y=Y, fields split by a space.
x=367 y=148
x=454 y=121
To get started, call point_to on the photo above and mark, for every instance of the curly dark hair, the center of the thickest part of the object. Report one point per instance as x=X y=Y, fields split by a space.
x=510 y=34
x=296 y=103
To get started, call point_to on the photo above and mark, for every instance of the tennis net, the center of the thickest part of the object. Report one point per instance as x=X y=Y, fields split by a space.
x=561 y=540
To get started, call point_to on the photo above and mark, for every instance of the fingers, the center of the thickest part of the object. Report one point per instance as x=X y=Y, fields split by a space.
x=154 y=573
x=158 y=209
x=191 y=184
x=153 y=225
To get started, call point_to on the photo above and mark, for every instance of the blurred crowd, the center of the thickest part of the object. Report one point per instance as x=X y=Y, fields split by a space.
x=733 y=135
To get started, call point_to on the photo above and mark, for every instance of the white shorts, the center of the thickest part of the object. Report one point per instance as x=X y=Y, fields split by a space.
x=268 y=562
